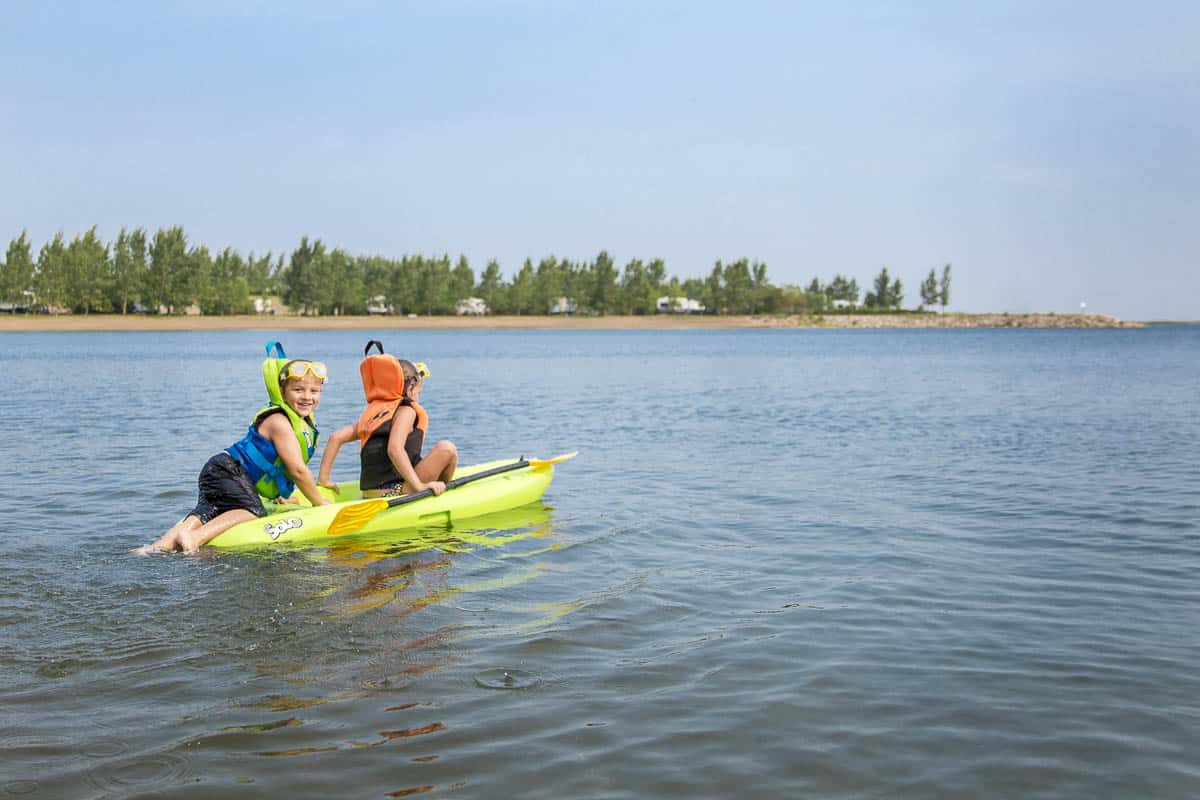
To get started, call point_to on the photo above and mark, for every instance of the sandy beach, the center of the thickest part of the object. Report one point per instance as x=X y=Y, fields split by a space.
x=140 y=322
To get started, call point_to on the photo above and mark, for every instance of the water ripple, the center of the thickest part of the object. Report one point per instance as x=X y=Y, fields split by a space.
x=786 y=563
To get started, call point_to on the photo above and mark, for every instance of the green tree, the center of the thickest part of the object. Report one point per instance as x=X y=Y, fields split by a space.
x=929 y=290
x=656 y=279
x=87 y=272
x=261 y=276
x=520 y=292
x=797 y=300
x=737 y=287
x=376 y=277
x=636 y=290
x=402 y=294
x=814 y=303
x=279 y=276
x=887 y=294
x=841 y=288
x=760 y=288
x=127 y=269
x=18 y=271
x=433 y=285
x=831 y=290
x=944 y=289
x=714 y=289
x=303 y=277
x=462 y=280
x=229 y=289
x=169 y=279
x=200 y=283
x=491 y=288
x=692 y=288
x=604 y=294
x=576 y=283
x=883 y=289
x=52 y=275
x=548 y=282
x=650 y=285
x=672 y=287
x=347 y=294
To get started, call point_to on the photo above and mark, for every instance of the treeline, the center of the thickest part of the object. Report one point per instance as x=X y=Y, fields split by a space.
x=164 y=273
x=887 y=293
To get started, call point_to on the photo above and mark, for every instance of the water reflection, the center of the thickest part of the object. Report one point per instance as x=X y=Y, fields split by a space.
x=303 y=640
x=353 y=627
x=413 y=571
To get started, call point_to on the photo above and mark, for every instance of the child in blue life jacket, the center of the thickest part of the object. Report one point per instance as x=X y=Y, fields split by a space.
x=392 y=432
x=269 y=461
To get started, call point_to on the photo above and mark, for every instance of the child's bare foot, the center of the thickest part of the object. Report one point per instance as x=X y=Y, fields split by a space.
x=146 y=549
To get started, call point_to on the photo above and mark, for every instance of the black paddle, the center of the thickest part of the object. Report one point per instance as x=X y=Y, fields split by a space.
x=354 y=516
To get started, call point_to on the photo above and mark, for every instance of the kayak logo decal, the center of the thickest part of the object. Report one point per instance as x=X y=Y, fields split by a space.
x=283 y=526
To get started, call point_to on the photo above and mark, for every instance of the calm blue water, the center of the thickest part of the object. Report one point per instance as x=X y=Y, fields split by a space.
x=785 y=564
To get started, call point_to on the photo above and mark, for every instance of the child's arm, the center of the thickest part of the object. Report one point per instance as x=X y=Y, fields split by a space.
x=402 y=426
x=278 y=429
x=332 y=445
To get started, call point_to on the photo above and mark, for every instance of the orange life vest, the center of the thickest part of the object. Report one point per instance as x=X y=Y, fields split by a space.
x=383 y=385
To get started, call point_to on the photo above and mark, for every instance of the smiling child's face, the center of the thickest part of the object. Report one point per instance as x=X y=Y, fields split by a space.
x=303 y=394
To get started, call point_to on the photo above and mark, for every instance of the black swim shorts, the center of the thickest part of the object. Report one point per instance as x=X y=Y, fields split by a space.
x=225 y=486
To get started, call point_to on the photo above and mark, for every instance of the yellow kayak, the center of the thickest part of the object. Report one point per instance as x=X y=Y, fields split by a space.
x=473 y=491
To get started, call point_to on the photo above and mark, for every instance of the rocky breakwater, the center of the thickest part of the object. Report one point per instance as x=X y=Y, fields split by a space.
x=1001 y=320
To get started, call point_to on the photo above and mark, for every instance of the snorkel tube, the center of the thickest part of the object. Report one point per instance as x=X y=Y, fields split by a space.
x=272 y=366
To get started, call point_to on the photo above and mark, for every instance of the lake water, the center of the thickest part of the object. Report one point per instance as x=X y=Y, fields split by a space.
x=836 y=564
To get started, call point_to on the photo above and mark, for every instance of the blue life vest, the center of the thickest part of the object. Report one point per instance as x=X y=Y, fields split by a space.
x=256 y=453
x=258 y=456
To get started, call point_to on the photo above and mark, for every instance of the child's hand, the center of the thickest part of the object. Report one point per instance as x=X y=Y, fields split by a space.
x=437 y=487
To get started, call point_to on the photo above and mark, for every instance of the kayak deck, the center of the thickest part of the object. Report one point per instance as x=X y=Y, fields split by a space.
x=303 y=523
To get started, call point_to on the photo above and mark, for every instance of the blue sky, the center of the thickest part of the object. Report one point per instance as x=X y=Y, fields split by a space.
x=1049 y=150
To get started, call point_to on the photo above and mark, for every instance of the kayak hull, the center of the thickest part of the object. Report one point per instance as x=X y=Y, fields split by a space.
x=303 y=523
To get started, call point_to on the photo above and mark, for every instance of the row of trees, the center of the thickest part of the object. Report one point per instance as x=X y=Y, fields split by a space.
x=887 y=293
x=86 y=275
x=935 y=292
x=164 y=272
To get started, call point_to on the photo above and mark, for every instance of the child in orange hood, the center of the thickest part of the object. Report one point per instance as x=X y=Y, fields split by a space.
x=392 y=432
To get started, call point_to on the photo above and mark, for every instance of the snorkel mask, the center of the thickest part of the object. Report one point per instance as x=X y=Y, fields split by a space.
x=299 y=367
x=277 y=368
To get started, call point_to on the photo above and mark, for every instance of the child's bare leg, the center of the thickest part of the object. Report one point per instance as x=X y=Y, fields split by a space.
x=194 y=538
x=439 y=464
x=170 y=540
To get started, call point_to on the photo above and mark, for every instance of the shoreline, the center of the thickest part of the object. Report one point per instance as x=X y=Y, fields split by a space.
x=139 y=322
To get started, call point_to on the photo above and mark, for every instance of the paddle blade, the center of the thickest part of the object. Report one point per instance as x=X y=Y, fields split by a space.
x=538 y=462
x=353 y=517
